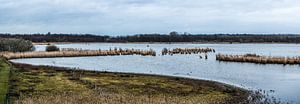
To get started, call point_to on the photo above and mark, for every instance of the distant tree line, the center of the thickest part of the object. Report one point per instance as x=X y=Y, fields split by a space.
x=172 y=37
x=15 y=45
x=57 y=37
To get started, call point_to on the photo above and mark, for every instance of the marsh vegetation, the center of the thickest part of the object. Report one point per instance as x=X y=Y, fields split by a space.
x=4 y=77
x=188 y=66
x=269 y=77
x=166 y=51
x=254 y=58
x=77 y=53
x=39 y=84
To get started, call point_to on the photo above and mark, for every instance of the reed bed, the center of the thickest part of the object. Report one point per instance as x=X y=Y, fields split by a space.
x=166 y=51
x=77 y=53
x=253 y=58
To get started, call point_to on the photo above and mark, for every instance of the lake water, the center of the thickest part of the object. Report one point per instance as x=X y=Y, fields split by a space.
x=284 y=80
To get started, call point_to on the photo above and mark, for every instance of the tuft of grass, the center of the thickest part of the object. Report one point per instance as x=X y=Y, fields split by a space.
x=4 y=76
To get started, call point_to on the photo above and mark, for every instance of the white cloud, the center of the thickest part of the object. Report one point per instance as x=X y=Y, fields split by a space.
x=149 y=16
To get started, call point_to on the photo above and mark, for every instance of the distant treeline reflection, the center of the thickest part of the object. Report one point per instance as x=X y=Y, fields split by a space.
x=172 y=37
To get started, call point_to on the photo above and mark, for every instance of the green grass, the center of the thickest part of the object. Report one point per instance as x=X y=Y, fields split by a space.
x=48 y=85
x=4 y=76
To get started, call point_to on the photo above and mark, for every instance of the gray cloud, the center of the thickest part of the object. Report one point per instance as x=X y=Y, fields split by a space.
x=119 y=17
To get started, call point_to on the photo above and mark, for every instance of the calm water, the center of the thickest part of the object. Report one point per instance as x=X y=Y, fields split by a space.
x=284 y=80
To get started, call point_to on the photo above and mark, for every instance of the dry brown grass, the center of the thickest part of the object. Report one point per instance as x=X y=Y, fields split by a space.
x=253 y=58
x=77 y=53
x=106 y=98
x=186 y=51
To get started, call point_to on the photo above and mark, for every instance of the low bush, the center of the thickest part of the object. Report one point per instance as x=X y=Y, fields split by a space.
x=51 y=48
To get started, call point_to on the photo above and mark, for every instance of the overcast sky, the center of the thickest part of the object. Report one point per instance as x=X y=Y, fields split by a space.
x=126 y=17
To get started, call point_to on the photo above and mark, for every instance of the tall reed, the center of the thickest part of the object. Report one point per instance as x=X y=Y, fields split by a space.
x=77 y=53
x=253 y=58
x=166 y=51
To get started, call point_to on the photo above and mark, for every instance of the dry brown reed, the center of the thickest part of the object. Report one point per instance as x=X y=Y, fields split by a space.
x=77 y=53
x=165 y=51
x=253 y=58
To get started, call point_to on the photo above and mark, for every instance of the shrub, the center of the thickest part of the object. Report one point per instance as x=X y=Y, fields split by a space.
x=15 y=45
x=51 y=48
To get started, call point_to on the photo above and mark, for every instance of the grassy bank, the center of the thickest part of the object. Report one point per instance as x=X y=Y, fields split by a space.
x=4 y=76
x=53 y=85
